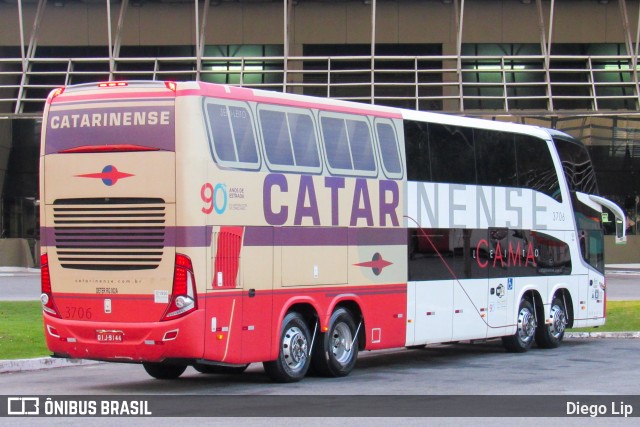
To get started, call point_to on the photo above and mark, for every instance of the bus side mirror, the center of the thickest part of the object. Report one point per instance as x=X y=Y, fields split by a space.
x=621 y=237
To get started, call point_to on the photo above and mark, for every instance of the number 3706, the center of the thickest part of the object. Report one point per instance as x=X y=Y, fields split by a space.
x=77 y=313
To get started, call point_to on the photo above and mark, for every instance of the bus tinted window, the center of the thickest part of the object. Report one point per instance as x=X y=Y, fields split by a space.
x=348 y=145
x=361 y=145
x=289 y=139
x=535 y=166
x=496 y=158
x=275 y=133
x=336 y=143
x=416 y=139
x=303 y=136
x=452 y=154
x=221 y=132
x=576 y=165
x=243 y=134
x=389 y=149
x=231 y=134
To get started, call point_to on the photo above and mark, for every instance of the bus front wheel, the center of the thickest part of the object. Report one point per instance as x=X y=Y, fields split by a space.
x=164 y=371
x=522 y=340
x=293 y=359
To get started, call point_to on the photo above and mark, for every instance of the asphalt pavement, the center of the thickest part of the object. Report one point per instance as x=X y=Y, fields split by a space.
x=19 y=284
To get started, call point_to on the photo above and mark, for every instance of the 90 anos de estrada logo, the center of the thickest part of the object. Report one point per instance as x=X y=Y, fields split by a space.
x=73 y=406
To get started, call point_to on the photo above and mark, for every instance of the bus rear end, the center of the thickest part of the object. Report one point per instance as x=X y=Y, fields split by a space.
x=113 y=286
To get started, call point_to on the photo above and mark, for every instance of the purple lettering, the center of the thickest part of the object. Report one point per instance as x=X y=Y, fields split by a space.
x=389 y=208
x=311 y=211
x=280 y=217
x=334 y=183
x=361 y=196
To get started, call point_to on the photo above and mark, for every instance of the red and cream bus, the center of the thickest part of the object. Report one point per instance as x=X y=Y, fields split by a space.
x=192 y=224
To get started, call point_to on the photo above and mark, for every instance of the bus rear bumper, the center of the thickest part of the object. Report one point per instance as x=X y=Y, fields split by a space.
x=127 y=342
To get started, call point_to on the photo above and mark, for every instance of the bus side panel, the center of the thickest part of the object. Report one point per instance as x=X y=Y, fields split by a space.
x=223 y=327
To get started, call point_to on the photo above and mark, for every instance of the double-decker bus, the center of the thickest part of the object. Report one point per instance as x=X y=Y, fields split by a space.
x=192 y=224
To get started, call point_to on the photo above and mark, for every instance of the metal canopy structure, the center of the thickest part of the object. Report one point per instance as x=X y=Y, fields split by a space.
x=457 y=83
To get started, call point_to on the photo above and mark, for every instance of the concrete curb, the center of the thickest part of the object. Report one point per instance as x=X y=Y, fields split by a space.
x=20 y=365
x=40 y=363
x=619 y=335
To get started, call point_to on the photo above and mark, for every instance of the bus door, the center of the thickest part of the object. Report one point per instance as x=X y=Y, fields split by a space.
x=594 y=254
x=501 y=281
x=430 y=287
x=471 y=262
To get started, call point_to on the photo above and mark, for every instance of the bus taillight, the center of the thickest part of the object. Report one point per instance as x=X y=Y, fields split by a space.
x=172 y=86
x=46 y=298
x=113 y=84
x=183 y=296
x=57 y=92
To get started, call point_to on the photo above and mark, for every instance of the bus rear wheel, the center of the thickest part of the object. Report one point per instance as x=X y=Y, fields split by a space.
x=163 y=370
x=551 y=334
x=293 y=359
x=522 y=340
x=336 y=352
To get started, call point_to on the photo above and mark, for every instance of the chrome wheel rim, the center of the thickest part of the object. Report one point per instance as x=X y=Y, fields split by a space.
x=341 y=343
x=295 y=348
x=526 y=325
x=558 y=321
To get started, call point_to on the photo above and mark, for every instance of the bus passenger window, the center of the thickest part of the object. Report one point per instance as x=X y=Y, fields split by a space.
x=535 y=166
x=496 y=158
x=221 y=132
x=416 y=139
x=277 y=142
x=243 y=134
x=389 y=150
x=336 y=143
x=231 y=134
x=361 y=146
x=348 y=144
x=452 y=154
x=303 y=135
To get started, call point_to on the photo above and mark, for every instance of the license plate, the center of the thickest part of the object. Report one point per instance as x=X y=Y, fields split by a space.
x=110 y=336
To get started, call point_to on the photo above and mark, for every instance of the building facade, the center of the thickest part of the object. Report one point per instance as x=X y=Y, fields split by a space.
x=566 y=64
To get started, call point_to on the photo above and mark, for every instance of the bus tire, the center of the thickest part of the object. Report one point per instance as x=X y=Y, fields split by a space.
x=218 y=369
x=336 y=352
x=293 y=359
x=164 y=371
x=522 y=340
x=550 y=335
